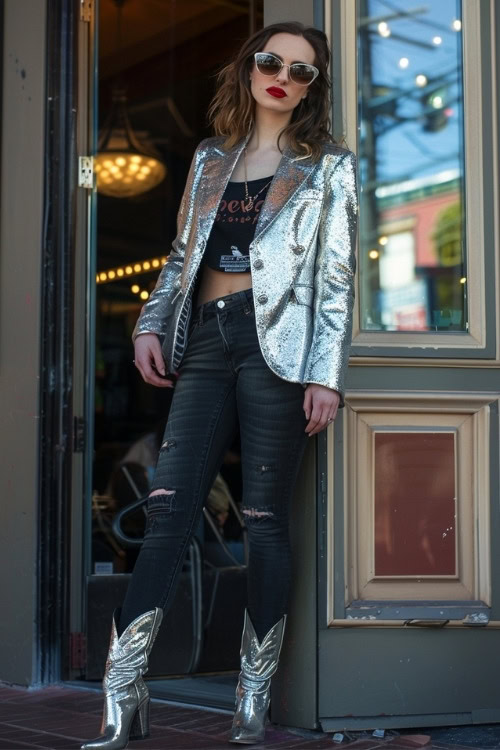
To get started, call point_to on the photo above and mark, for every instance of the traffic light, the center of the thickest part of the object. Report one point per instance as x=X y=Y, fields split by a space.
x=435 y=109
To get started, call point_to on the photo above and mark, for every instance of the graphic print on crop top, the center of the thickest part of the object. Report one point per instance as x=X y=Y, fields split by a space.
x=234 y=227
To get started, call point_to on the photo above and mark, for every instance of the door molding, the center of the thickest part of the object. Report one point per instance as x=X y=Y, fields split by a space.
x=468 y=414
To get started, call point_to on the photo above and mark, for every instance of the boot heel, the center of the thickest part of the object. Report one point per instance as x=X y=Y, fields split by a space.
x=139 y=729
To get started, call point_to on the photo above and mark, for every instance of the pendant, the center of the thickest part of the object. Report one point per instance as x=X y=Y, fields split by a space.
x=248 y=206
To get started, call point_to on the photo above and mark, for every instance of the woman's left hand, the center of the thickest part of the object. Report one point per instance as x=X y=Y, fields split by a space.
x=320 y=406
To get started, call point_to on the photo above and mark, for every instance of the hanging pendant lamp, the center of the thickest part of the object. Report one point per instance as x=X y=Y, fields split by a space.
x=125 y=165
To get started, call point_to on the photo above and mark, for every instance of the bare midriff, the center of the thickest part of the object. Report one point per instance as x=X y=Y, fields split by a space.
x=215 y=284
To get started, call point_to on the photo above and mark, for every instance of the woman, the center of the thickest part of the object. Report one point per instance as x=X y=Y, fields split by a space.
x=252 y=317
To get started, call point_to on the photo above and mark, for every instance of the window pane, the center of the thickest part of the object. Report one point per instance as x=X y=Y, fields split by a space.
x=412 y=271
x=414 y=504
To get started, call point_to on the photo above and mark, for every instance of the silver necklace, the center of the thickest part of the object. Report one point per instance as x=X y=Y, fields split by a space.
x=249 y=200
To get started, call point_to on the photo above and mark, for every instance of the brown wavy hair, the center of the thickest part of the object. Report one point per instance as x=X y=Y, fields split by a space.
x=232 y=110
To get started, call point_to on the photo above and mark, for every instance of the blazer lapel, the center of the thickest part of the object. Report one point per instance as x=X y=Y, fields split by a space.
x=217 y=170
x=286 y=181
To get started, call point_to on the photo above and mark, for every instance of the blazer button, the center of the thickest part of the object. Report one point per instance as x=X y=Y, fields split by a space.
x=258 y=263
x=262 y=298
x=298 y=249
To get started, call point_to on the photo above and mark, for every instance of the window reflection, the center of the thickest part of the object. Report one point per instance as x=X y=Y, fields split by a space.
x=412 y=269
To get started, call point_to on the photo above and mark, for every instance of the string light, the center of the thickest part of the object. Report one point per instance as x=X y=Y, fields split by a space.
x=134 y=269
x=383 y=29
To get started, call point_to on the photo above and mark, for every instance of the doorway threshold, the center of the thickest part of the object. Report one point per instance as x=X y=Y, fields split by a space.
x=215 y=690
x=210 y=690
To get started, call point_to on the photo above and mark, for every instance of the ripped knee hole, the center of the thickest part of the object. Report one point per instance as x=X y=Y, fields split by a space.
x=168 y=444
x=161 y=492
x=161 y=504
x=254 y=513
x=263 y=468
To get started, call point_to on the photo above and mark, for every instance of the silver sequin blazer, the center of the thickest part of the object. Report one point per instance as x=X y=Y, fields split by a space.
x=302 y=261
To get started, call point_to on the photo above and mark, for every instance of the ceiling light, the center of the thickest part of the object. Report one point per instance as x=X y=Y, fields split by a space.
x=125 y=165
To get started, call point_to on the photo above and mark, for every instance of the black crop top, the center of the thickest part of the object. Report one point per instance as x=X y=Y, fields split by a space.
x=234 y=227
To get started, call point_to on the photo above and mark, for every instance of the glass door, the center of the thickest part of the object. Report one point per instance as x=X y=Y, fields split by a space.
x=153 y=76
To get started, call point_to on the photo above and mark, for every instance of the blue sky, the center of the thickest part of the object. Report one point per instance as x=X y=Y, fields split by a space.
x=406 y=150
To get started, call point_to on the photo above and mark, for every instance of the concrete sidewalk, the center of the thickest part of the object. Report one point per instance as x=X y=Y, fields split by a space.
x=63 y=717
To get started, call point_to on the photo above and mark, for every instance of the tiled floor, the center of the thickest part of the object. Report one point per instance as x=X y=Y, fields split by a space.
x=62 y=717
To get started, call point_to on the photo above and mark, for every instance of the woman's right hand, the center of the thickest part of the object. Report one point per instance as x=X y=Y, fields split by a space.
x=148 y=355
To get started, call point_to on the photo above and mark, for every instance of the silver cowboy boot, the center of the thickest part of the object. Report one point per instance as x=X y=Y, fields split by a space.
x=259 y=661
x=126 y=707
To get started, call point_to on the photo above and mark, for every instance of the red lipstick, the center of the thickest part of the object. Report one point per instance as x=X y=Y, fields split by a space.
x=277 y=92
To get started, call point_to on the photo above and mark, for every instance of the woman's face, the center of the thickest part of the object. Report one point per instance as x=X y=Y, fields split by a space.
x=289 y=48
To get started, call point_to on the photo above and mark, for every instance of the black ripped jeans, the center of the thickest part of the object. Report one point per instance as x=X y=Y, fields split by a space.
x=223 y=380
